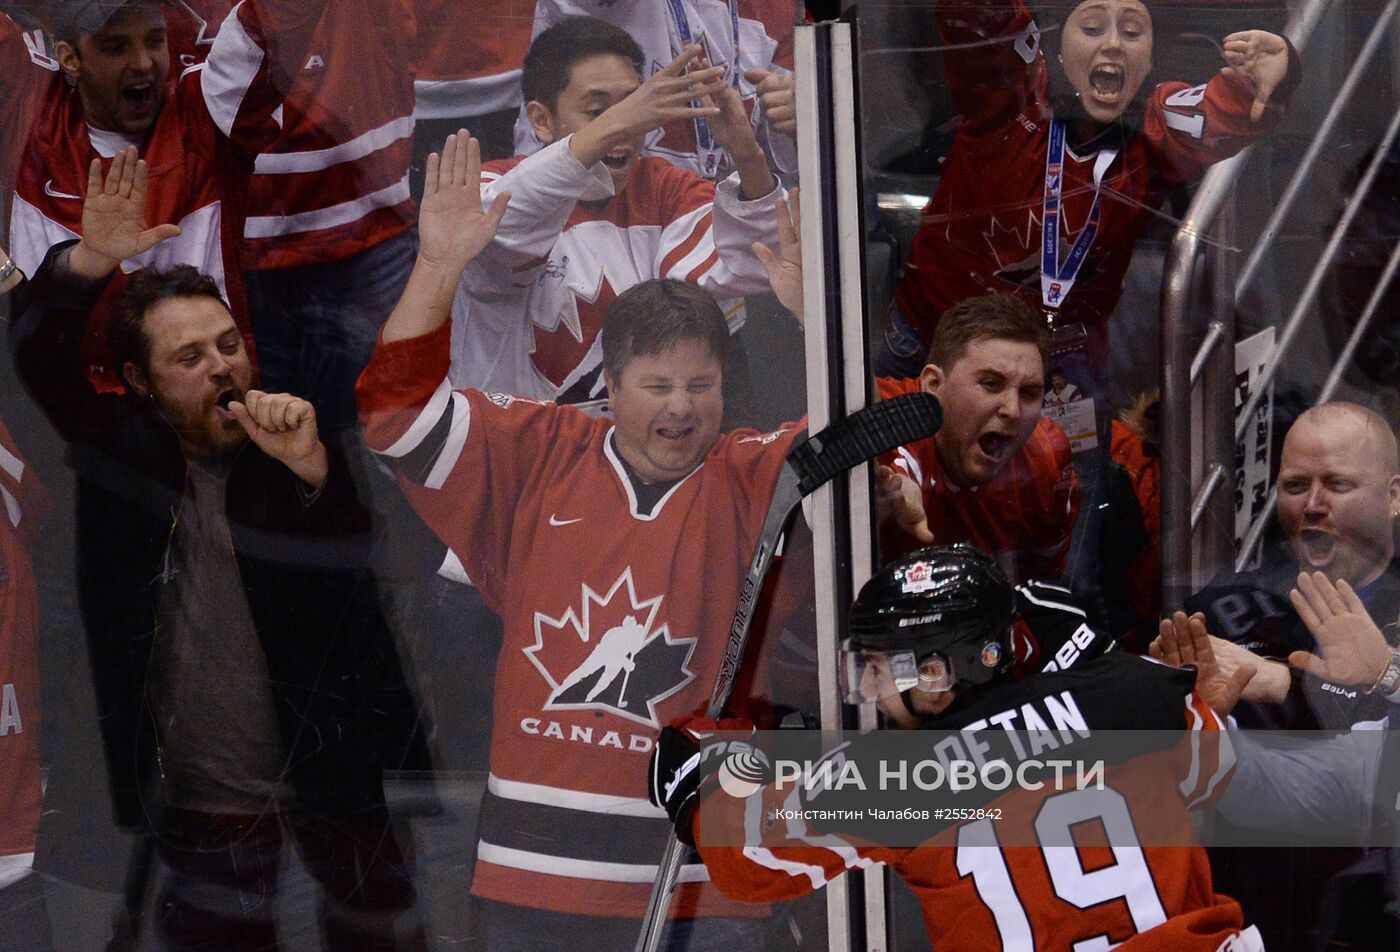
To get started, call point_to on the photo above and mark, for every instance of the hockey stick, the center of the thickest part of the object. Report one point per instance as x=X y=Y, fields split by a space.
x=859 y=438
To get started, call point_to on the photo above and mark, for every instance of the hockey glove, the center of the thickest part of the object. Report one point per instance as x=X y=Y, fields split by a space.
x=686 y=755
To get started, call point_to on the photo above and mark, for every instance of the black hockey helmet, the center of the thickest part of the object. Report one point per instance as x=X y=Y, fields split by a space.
x=938 y=619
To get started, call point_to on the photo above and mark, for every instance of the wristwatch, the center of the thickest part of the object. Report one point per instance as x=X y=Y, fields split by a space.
x=1390 y=678
x=7 y=271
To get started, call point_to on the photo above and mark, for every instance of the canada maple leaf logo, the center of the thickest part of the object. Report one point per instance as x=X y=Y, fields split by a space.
x=608 y=653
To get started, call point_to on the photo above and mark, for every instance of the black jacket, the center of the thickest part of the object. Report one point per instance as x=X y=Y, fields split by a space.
x=343 y=709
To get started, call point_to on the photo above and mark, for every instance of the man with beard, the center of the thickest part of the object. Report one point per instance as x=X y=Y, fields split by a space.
x=248 y=687
x=1338 y=498
x=998 y=474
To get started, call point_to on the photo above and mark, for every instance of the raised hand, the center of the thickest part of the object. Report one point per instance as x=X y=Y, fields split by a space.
x=1183 y=641
x=1352 y=649
x=452 y=226
x=898 y=497
x=284 y=427
x=778 y=97
x=1259 y=58
x=734 y=133
x=785 y=266
x=114 y=217
x=670 y=94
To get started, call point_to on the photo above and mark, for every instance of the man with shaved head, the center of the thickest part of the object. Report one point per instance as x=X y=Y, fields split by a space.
x=1338 y=497
x=1339 y=492
x=1338 y=500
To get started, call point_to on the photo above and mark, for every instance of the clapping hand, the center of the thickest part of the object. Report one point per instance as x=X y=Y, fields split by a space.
x=778 y=97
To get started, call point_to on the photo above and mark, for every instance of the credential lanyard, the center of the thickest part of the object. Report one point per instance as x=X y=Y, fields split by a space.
x=1057 y=277
x=709 y=152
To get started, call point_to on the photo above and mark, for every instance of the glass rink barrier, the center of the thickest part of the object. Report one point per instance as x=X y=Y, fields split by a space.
x=511 y=475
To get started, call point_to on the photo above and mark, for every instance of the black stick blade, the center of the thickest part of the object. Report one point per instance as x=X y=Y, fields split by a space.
x=863 y=436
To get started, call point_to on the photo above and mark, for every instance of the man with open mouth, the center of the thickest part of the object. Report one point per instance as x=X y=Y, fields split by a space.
x=998 y=474
x=1338 y=501
x=249 y=688
x=592 y=216
x=198 y=130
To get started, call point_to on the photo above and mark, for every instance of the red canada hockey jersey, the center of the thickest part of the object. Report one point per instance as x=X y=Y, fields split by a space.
x=615 y=618
x=756 y=33
x=336 y=180
x=470 y=79
x=528 y=312
x=199 y=152
x=20 y=798
x=981 y=232
x=28 y=55
x=981 y=883
x=1024 y=516
x=192 y=27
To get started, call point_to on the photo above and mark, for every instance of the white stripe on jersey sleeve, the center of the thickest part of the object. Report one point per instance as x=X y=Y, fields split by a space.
x=456 y=439
x=275 y=226
x=453 y=570
x=907 y=462
x=317 y=160
x=438 y=404
x=229 y=70
x=755 y=822
x=582 y=868
x=1028 y=594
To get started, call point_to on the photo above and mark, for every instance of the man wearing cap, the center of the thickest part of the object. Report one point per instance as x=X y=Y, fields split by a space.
x=198 y=132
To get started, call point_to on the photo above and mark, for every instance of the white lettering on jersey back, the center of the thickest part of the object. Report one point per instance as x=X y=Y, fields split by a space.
x=609 y=653
x=39 y=54
x=10 y=722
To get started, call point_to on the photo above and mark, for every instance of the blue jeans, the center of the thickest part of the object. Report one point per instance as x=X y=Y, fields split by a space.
x=315 y=325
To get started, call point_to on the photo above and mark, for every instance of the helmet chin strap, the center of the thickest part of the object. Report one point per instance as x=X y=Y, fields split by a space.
x=908 y=701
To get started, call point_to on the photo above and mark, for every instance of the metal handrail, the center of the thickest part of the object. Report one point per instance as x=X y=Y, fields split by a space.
x=1289 y=198
x=1179 y=280
x=1334 y=379
x=1319 y=272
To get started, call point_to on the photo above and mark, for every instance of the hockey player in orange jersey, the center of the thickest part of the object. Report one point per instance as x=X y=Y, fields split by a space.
x=930 y=645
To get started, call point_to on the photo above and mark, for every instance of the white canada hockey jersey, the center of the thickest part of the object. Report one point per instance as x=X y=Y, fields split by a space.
x=739 y=34
x=528 y=312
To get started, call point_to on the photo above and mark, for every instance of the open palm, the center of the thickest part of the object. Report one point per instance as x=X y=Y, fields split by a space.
x=452 y=226
x=114 y=210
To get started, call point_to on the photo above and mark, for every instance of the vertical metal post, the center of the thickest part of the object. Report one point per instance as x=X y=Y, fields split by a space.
x=822 y=303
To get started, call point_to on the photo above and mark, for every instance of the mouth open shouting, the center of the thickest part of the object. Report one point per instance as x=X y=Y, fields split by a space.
x=1319 y=547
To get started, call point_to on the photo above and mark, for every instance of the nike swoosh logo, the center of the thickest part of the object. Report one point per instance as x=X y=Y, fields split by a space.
x=554 y=520
x=51 y=191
